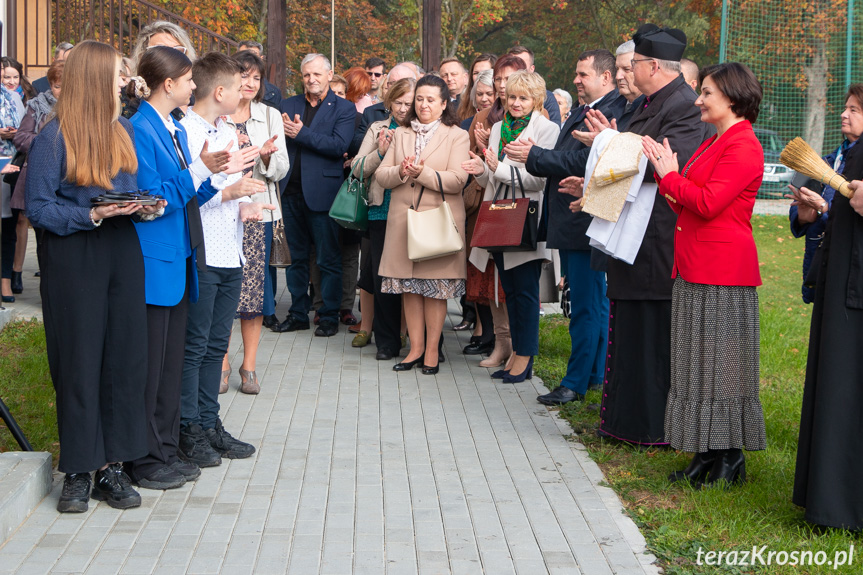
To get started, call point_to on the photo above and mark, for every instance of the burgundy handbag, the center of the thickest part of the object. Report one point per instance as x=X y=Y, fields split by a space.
x=507 y=224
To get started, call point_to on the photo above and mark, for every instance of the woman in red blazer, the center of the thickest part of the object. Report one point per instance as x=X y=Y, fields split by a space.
x=713 y=407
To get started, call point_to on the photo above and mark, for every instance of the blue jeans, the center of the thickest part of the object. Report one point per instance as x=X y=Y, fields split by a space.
x=304 y=227
x=208 y=331
x=588 y=323
x=521 y=286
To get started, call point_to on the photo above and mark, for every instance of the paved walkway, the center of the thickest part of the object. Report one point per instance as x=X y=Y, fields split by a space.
x=359 y=470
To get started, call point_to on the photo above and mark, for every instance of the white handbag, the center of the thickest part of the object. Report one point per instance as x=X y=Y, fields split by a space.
x=432 y=233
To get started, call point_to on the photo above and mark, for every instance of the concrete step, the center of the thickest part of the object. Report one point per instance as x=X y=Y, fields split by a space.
x=25 y=479
x=6 y=315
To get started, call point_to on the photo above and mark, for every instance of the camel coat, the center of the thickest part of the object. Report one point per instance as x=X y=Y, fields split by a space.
x=444 y=154
x=369 y=152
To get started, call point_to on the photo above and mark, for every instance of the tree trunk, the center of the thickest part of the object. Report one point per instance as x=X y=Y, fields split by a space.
x=419 y=5
x=816 y=95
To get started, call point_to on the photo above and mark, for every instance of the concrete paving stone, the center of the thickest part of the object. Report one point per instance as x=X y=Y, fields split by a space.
x=139 y=565
x=396 y=474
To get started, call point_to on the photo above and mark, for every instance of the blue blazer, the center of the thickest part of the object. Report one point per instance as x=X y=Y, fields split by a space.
x=165 y=240
x=324 y=143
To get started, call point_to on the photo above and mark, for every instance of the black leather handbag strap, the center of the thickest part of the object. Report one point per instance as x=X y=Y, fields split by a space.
x=514 y=175
x=422 y=189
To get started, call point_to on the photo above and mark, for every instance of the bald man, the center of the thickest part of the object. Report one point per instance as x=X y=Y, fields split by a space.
x=378 y=112
x=689 y=69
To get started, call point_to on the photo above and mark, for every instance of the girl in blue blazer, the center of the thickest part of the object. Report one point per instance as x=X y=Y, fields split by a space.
x=173 y=247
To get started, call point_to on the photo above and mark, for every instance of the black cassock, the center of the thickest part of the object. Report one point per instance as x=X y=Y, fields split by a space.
x=827 y=481
x=638 y=372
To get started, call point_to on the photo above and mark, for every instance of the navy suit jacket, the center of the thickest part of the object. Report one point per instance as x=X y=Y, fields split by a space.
x=324 y=143
x=165 y=240
x=569 y=158
x=370 y=115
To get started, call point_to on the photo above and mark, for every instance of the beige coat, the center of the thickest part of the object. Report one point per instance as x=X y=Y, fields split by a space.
x=369 y=152
x=444 y=154
x=545 y=133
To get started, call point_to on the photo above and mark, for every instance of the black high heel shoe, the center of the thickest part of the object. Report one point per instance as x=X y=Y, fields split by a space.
x=408 y=365
x=697 y=469
x=7 y=299
x=728 y=469
x=499 y=374
x=518 y=378
x=430 y=370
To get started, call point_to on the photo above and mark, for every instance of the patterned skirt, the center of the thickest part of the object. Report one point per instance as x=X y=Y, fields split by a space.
x=715 y=346
x=252 y=293
x=435 y=289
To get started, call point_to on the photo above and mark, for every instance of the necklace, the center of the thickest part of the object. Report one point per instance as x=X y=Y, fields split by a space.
x=690 y=164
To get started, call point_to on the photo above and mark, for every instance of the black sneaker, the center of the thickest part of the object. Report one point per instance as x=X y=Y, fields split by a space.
x=76 y=493
x=163 y=478
x=194 y=447
x=226 y=445
x=114 y=487
x=187 y=469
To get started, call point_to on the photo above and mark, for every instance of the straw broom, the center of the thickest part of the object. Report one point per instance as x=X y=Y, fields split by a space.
x=800 y=157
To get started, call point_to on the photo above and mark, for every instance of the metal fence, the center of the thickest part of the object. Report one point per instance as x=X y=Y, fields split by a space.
x=805 y=56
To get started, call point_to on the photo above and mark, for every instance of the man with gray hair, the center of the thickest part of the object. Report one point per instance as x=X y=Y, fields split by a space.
x=638 y=369
x=60 y=52
x=318 y=129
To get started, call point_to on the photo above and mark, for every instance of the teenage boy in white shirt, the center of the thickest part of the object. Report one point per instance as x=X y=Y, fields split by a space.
x=203 y=440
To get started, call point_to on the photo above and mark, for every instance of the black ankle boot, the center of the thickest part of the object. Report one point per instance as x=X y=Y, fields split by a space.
x=697 y=469
x=17 y=283
x=729 y=467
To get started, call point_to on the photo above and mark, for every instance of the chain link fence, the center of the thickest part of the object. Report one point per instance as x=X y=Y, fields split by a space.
x=805 y=54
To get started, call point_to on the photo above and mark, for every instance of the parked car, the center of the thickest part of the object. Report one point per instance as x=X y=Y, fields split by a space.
x=776 y=175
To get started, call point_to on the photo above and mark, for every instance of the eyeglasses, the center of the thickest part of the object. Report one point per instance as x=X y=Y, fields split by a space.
x=633 y=61
x=374 y=74
x=180 y=48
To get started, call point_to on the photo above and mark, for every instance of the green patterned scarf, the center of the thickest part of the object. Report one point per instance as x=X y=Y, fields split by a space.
x=510 y=130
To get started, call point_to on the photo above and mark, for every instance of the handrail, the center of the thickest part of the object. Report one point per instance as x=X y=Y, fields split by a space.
x=187 y=23
x=118 y=22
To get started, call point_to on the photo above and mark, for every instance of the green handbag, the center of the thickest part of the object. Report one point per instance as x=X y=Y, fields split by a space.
x=350 y=209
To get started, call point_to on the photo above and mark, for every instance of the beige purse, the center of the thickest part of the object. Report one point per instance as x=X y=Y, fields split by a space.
x=432 y=233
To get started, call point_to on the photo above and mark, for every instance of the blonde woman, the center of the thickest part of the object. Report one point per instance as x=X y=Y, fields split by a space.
x=519 y=271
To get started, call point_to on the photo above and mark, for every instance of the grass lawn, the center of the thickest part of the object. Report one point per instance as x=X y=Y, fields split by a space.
x=25 y=387
x=676 y=520
x=679 y=520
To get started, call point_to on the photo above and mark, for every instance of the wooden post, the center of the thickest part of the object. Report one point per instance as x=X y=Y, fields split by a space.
x=431 y=34
x=276 y=43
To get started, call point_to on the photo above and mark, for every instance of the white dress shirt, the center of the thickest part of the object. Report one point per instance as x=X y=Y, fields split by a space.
x=223 y=228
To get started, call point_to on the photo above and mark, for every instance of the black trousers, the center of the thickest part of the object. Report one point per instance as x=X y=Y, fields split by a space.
x=8 y=239
x=387 y=325
x=166 y=341
x=95 y=316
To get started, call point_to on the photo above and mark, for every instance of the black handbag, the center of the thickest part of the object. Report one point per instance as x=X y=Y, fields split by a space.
x=17 y=160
